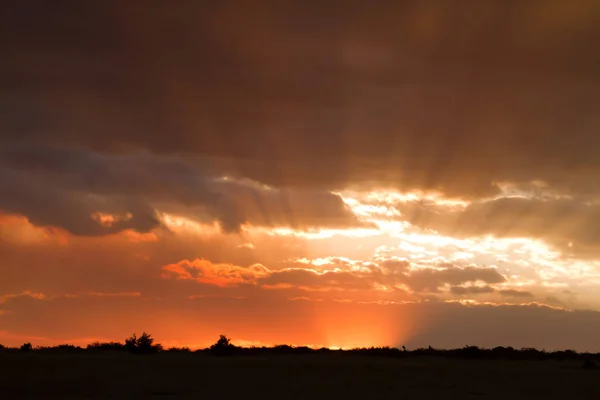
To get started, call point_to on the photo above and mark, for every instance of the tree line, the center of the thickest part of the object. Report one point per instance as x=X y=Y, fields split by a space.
x=145 y=344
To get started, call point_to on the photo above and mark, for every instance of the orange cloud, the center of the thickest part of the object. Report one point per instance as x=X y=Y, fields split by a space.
x=27 y=293
x=222 y=275
x=17 y=229
x=43 y=296
x=387 y=276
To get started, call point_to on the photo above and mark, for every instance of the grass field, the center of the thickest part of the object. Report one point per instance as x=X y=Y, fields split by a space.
x=194 y=376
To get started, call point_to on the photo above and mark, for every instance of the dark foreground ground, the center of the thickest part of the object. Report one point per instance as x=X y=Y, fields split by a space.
x=192 y=376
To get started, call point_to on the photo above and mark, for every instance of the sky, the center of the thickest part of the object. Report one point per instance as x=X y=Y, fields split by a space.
x=322 y=173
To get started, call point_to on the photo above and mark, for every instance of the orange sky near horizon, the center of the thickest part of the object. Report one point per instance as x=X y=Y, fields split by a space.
x=343 y=288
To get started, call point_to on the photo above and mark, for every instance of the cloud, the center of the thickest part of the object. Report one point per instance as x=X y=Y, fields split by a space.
x=393 y=275
x=117 y=122
x=314 y=280
x=516 y=293
x=468 y=290
x=432 y=279
x=241 y=202
x=567 y=223
x=41 y=296
x=204 y=271
x=6 y=297
x=70 y=188
x=344 y=99
x=46 y=204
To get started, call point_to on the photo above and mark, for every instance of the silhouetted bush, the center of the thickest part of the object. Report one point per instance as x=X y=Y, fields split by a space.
x=302 y=350
x=223 y=347
x=105 y=346
x=61 y=348
x=178 y=350
x=376 y=351
x=283 y=349
x=26 y=347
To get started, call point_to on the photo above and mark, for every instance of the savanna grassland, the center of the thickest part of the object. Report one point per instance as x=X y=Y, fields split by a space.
x=315 y=376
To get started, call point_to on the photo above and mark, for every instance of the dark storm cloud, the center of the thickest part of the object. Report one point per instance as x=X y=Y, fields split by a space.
x=65 y=187
x=45 y=204
x=416 y=94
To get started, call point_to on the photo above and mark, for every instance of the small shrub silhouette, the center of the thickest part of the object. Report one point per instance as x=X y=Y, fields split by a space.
x=61 y=349
x=178 y=350
x=223 y=347
x=105 y=346
x=26 y=347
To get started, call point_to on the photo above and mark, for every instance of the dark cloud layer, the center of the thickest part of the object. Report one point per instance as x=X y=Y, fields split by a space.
x=49 y=205
x=416 y=94
x=65 y=187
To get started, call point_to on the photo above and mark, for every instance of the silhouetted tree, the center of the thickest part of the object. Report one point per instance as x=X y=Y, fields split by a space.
x=223 y=347
x=142 y=345
x=131 y=344
x=26 y=347
x=145 y=344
